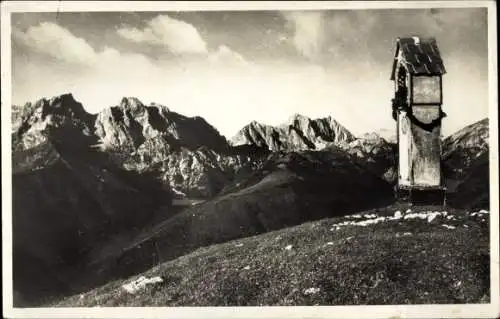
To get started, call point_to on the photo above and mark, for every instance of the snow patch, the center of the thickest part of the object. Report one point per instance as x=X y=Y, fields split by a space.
x=289 y=247
x=354 y=216
x=479 y=213
x=415 y=215
x=372 y=219
x=430 y=216
x=448 y=226
x=140 y=283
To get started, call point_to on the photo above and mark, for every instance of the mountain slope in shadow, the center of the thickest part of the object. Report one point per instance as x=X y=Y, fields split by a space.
x=64 y=204
x=289 y=189
x=473 y=192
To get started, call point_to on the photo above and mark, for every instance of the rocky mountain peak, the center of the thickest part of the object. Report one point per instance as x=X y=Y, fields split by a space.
x=136 y=107
x=58 y=116
x=390 y=135
x=131 y=102
x=133 y=105
x=375 y=154
x=65 y=99
x=299 y=132
x=462 y=148
x=63 y=105
x=473 y=135
x=373 y=137
x=159 y=106
x=185 y=151
x=369 y=144
x=298 y=120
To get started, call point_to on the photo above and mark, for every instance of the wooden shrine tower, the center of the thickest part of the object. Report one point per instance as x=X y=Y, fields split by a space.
x=417 y=74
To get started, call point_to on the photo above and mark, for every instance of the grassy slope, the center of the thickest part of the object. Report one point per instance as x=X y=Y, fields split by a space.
x=393 y=262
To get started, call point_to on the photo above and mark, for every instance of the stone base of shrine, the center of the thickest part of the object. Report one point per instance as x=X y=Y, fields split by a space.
x=421 y=195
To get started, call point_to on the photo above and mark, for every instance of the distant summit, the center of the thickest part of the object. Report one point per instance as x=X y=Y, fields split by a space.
x=389 y=135
x=298 y=133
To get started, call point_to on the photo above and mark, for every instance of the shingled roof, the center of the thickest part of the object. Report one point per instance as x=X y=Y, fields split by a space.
x=419 y=55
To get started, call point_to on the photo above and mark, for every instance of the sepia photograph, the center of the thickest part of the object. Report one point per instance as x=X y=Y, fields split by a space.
x=250 y=159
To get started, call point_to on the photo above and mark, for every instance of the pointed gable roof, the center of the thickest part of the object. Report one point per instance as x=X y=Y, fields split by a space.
x=420 y=56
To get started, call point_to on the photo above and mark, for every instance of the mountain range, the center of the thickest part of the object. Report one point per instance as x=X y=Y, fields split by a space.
x=107 y=195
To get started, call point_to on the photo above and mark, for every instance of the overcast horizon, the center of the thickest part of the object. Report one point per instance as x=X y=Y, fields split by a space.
x=235 y=67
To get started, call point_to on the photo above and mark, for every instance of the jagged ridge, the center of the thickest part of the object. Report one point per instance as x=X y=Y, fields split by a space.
x=298 y=133
x=186 y=153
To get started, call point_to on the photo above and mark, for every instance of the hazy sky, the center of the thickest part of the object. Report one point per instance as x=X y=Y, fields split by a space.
x=235 y=67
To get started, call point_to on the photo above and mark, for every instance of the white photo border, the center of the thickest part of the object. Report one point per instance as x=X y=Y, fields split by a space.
x=490 y=310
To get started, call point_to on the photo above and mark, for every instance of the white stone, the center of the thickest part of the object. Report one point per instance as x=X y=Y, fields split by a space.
x=311 y=291
x=397 y=214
